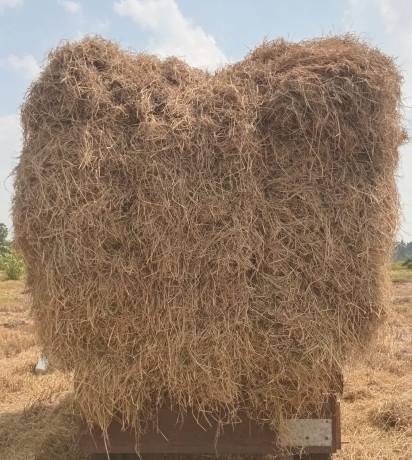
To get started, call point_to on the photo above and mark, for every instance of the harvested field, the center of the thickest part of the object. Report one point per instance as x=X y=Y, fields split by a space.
x=377 y=400
x=37 y=421
x=217 y=241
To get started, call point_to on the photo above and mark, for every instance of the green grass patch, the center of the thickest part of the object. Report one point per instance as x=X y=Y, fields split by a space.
x=399 y=273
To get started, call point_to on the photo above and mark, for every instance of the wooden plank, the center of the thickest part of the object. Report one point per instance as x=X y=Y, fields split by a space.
x=192 y=436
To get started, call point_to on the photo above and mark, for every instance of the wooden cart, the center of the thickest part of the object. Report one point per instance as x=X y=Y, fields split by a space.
x=314 y=438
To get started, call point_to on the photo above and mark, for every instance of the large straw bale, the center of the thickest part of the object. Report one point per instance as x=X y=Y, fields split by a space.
x=218 y=241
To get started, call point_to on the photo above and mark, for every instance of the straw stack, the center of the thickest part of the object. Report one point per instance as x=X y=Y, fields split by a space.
x=216 y=241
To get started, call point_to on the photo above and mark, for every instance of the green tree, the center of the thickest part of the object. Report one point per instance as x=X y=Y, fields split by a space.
x=409 y=249
x=402 y=251
x=13 y=265
x=4 y=244
x=408 y=263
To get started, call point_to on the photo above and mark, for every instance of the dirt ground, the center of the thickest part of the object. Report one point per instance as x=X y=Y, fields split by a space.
x=38 y=422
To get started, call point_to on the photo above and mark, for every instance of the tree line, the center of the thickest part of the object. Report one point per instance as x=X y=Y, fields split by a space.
x=402 y=251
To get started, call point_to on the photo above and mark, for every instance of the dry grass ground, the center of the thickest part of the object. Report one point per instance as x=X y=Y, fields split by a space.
x=37 y=420
x=377 y=399
x=36 y=415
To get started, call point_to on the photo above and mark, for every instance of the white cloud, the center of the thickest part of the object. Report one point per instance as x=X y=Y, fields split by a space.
x=27 y=65
x=70 y=6
x=10 y=147
x=387 y=24
x=173 y=34
x=9 y=4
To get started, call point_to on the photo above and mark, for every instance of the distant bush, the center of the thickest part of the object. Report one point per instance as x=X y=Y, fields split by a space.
x=408 y=263
x=2 y=264
x=13 y=265
x=4 y=244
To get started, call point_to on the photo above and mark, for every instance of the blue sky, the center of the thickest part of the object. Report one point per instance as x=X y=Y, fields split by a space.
x=205 y=33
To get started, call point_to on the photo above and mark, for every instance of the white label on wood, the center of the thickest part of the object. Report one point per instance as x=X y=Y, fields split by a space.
x=309 y=432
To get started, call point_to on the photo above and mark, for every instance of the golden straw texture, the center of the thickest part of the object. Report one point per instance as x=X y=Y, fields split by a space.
x=218 y=241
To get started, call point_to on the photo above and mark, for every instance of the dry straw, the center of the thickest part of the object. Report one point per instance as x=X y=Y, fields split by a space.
x=217 y=241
